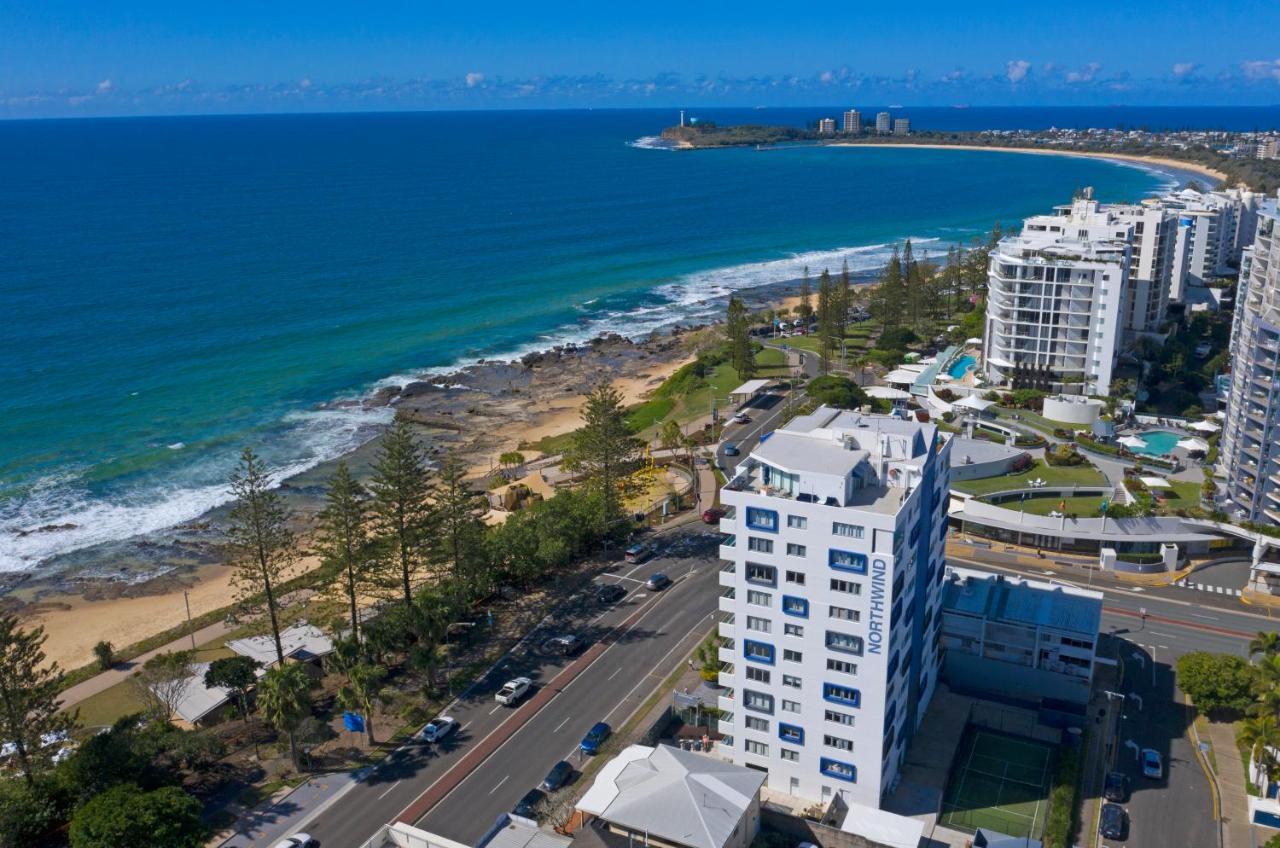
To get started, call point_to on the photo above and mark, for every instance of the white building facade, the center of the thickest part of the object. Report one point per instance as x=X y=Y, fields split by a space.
x=852 y=122
x=832 y=594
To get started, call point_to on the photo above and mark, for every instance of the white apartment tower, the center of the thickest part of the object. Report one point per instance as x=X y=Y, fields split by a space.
x=852 y=122
x=1251 y=435
x=883 y=126
x=1207 y=243
x=902 y=126
x=832 y=591
x=1056 y=299
x=827 y=126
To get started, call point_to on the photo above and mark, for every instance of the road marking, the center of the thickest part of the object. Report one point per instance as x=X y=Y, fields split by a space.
x=1165 y=647
x=1210 y=617
x=562 y=724
x=500 y=782
x=700 y=624
x=389 y=789
x=1136 y=589
x=615 y=674
x=1162 y=635
x=496 y=707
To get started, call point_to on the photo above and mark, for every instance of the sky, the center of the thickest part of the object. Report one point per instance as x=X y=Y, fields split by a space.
x=67 y=58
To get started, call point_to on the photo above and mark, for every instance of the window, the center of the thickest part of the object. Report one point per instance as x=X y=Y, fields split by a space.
x=844 y=643
x=836 y=693
x=795 y=550
x=760 y=599
x=842 y=666
x=1077 y=643
x=844 y=613
x=847 y=561
x=793 y=630
x=838 y=718
x=762 y=625
x=757 y=723
x=791 y=733
x=792 y=656
x=791 y=680
x=759 y=675
x=836 y=742
x=847 y=586
x=762 y=519
x=789 y=755
x=760 y=546
x=838 y=770
x=851 y=531
x=757 y=652
x=751 y=746
x=765 y=575
x=799 y=607
x=796 y=577
x=757 y=701
x=790 y=706
x=797 y=522
x=892 y=667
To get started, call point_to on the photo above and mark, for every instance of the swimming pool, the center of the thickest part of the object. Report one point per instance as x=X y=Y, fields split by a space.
x=1159 y=442
x=961 y=366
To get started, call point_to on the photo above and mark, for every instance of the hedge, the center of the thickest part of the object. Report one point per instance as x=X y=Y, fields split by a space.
x=1063 y=800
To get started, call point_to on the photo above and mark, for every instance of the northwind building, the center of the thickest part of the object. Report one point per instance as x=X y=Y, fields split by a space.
x=832 y=591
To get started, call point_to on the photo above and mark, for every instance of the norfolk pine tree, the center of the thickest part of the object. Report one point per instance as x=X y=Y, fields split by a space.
x=738 y=328
x=401 y=491
x=264 y=546
x=342 y=539
x=603 y=447
x=28 y=695
x=458 y=531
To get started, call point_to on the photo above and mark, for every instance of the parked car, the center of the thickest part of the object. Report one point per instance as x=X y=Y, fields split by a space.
x=639 y=552
x=512 y=691
x=527 y=806
x=595 y=737
x=712 y=515
x=742 y=418
x=610 y=593
x=657 y=581
x=565 y=646
x=1152 y=764
x=557 y=777
x=297 y=840
x=730 y=449
x=1112 y=823
x=438 y=728
x=1116 y=787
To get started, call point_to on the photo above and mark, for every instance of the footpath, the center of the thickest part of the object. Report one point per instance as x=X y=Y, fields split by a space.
x=1237 y=832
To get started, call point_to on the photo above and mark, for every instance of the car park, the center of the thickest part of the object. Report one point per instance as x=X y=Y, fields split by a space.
x=512 y=691
x=657 y=581
x=565 y=646
x=638 y=552
x=1116 y=787
x=1113 y=821
x=595 y=737
x=297 y=840
x=712 y=515
x=1152 y=764
x=557 y=777
x=730 y=449
x=437 y=729
x=610 y=593
x=527 y=806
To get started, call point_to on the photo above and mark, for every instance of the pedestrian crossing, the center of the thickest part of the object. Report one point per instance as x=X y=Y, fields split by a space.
x=1202 y=587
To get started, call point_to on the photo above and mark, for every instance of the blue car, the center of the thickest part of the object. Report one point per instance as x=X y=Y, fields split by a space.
x=595 y=738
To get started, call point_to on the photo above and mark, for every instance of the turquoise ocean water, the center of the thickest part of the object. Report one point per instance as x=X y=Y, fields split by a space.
x=173 y=289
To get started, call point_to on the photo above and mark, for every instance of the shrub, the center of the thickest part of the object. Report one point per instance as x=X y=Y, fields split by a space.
x=1063 y=455
x=106 y=654
x=1216 y=682
x=945 y=394
x=1032 y=399
x=1063 y=800
x=897 y=338
x=840 y=392
x=127 y=817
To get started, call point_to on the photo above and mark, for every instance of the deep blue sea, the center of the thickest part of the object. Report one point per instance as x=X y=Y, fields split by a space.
x=173 y=289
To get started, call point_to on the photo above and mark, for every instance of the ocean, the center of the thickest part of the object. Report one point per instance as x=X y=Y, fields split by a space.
x=174 y=289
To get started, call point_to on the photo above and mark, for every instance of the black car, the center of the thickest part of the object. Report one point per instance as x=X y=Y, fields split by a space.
x=1113 y=821
x=612 y=593
x=565 y=646
x=1116 y=787
x=557 y=777
x=527 y=807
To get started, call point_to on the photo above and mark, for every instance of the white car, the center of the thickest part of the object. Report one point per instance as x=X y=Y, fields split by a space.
x=437 y=729
x=742 y=418
x=512 y=691
x=1152 y=765
x=298 y=840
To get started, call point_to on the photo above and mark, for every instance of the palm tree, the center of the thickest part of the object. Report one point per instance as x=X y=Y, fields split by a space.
x=284 y=697
x=1262 y=736
x=364 y=684
x=1269 y=672
x=1267 y=643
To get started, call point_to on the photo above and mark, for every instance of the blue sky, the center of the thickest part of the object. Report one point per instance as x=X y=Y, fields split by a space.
x=119 y=58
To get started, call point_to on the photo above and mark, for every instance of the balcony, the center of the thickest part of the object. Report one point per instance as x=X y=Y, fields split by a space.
x=727 y=626
x=725 y=724
x=727 y=547
x=728 y=651
x=729 y=575
x=728 y=601
x=726 y=702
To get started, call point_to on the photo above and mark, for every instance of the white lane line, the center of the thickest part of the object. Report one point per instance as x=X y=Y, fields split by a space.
x=1210 y=617
x=1162 y=635
x=500 y=782
x=700 y=624
x=562 y=724
x=1163 y=647
x=496 y=707
x=615 y=673
x=389 y=789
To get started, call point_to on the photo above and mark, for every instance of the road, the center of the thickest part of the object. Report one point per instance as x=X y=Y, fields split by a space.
x=766 y=413
x=667 y=626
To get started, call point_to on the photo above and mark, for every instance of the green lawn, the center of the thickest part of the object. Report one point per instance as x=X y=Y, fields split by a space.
x=1084 y=506
x=1078 y=475
x=1037 y=421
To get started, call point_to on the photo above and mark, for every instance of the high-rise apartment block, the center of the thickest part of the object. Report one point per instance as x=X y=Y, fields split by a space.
x=902 y=126
x=852 y=122
x=882 y=123
x=827 y=126
x=832 y=588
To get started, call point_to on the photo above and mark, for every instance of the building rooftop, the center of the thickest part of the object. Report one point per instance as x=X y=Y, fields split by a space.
x=302 y=642
x=1018 y=600
x=802 y=454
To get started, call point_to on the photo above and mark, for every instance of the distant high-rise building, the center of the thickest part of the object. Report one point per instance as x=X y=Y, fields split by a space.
x=852 y=122
x=882 y=123
x=1269 y=148
x=827 y=126
x=902 y=126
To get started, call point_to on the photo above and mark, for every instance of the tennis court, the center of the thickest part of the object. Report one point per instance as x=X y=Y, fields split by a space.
x=999 y=782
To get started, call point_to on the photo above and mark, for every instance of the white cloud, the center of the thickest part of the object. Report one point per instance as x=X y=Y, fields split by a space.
x=1017 y=70
x=104 y=86
x=1184 y=69
x=474 y=78
x=304 y=83
x=1085 y=74
x=1262 y=70
x=826 y=77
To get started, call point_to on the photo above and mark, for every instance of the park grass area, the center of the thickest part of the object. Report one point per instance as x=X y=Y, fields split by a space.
x=1085 y=505
x=1053 y=475
x=999 y=782
x=1037 y=421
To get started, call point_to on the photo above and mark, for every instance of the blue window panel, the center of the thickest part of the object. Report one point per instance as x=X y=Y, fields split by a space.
x=761 y=575
x=942 y=533
x=838 y=770
x=847 y=561
x=791 y=733
x=799 y=607
x=762 y=519
x=759 y=652
x=889 y=715
x=838 y=694
x=892 y=667
x=844 y=643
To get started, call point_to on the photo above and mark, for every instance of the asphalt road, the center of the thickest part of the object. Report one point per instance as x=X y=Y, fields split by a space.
x=766 y=413
x=670 y=624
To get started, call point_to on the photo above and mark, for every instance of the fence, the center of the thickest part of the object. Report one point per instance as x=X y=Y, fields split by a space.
x=1012 y=720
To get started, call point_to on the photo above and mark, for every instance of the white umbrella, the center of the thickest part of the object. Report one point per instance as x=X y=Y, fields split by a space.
x=974 y=402
x=901 y=377
x=1132 y=442
x=887 y=393
x=1205 y=427
x=1156 y=483
x=1193 y=444
x=973 y=341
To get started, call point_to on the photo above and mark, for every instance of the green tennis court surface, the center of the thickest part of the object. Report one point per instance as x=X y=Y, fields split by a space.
x=999 y=782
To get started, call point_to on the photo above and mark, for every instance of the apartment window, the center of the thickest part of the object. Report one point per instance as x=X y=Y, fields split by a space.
x=851 y=531
x=790 y=706
x=792 y=630
x=847 y=561
x=792 y=656
x=751 y=746
x=838 y=770
x=892 y=667
x=763 y=575
x=838 y=717
x=789 y=755
x=842 y=666
x=791 y=680
x=763 y=625
x=796 y=577
x=757 y=701
x=757 y=651
x=760 y=546
x=841 y=694
x=760 y=599
x=849 y=587
x=795 y=550
x=836 y=742
x=844 y=613
x=757 y=723
x=791 y=733
x=762 y=519
x=759 y=675
x=799 y=607
x=844 y=642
